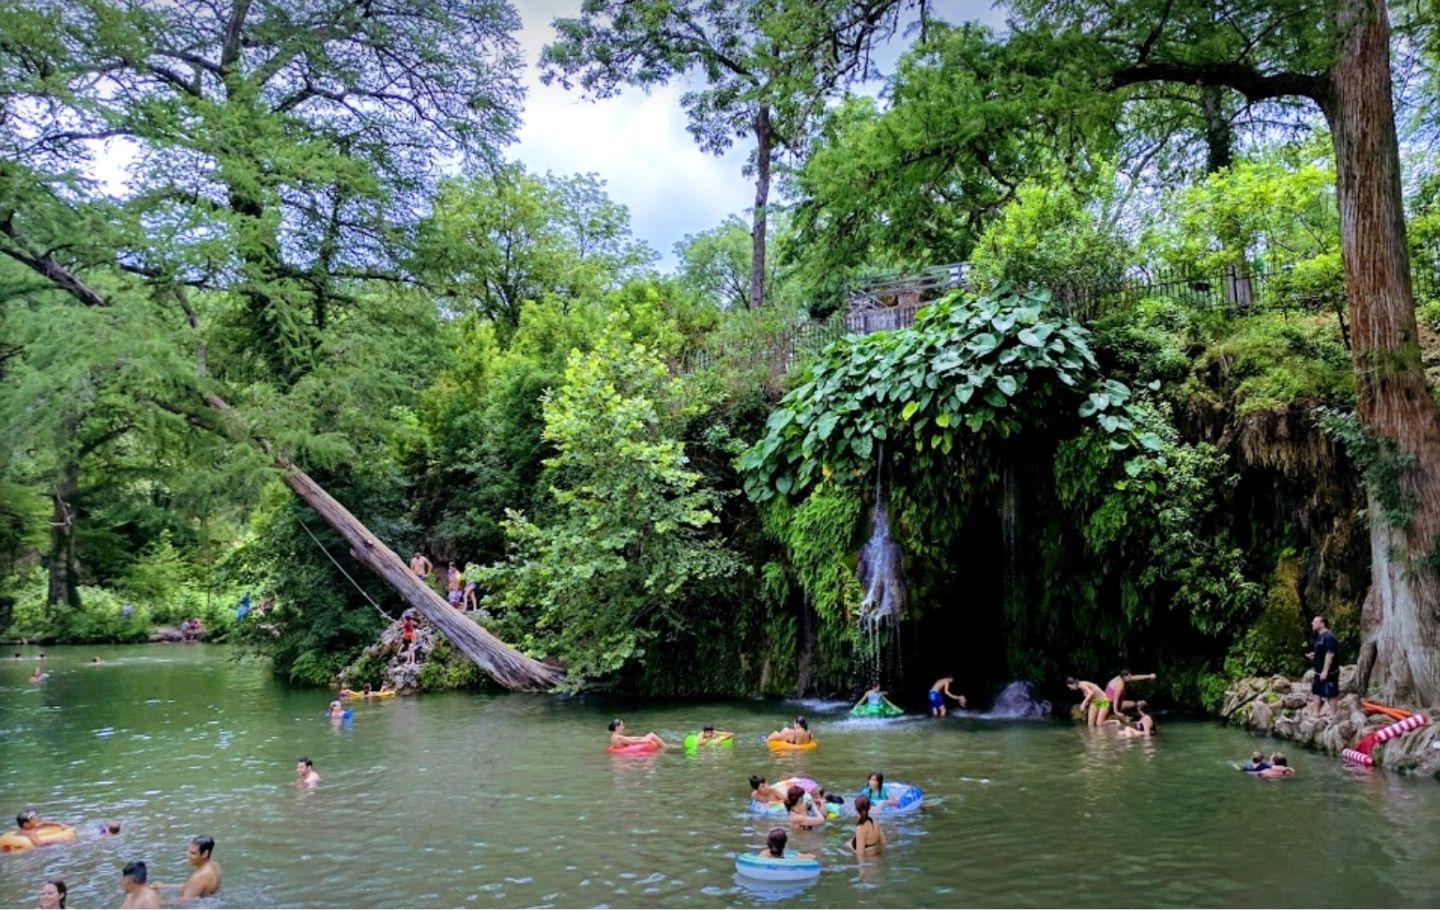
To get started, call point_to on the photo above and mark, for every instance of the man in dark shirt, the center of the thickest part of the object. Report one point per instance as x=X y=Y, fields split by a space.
x=1326 y=686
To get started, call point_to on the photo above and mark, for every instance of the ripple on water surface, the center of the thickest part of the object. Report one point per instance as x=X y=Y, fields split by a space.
x=512 y=801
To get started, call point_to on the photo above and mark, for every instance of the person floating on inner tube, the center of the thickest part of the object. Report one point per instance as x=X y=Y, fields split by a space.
x=937 y=695
x=709 y=734
x=762 y=792
x=874 y=698
x=878 y=793
x=618 y=737
x=28 y=824
x=798 y=734
x=775 y=846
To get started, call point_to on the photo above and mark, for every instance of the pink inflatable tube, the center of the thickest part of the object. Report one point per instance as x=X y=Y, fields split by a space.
x=634 y=749
x=1360 y=755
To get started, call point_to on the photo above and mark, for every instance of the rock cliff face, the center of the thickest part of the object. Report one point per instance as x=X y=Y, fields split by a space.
x=1278 y=706
x=389 y=652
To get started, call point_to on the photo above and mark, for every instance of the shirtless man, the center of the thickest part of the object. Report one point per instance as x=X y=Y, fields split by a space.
x=305 y=772
x=138 y=894
x=28 y=824
x=1279 y=768
x=420 y=565
x=1094 y=705
x=939 y=692
x=1115 y=690
x=205 y=880
x=452 y=581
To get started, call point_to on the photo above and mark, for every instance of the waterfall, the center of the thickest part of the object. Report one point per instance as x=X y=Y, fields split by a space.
x=1009 y=539
x=879 y=573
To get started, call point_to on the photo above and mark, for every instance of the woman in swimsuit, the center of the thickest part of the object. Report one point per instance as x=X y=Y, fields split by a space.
x=803 y=814
x=775 y=846
x=876 y=792
x=1095 y=701
x=797 y=735
x=868 y=838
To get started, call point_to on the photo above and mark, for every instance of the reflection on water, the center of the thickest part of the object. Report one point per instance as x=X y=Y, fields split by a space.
x=513 y=801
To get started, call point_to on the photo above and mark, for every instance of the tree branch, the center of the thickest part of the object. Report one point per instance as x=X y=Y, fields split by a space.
x=1246 y=80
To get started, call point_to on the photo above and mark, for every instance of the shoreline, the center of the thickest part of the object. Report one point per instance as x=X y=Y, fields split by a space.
x=1278 y=706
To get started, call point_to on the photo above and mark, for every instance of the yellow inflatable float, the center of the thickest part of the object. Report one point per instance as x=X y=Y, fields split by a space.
x=47 y=833
x=782 y=744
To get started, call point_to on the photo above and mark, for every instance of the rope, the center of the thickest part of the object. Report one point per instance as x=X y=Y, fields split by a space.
x=386 y=616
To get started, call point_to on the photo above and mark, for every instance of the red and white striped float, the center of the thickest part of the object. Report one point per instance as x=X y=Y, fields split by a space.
x=1360 y=755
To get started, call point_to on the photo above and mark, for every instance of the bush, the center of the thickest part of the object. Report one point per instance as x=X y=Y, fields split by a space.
x=100 y=619
x=446 y=668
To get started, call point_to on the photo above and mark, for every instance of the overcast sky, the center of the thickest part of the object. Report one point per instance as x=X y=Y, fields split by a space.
x=637 y=142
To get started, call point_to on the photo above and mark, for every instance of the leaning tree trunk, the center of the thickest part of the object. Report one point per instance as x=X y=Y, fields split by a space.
x=501 y=662
x=763 y=145
x=1401 y=617
x=63 y=568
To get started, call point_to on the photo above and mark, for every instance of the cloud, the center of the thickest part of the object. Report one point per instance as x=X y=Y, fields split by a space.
x=637 y=141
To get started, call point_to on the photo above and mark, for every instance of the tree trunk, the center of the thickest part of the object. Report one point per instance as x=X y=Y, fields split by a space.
x=762 y=196
x=501 y=662
x=1219 y=155
x=64 y=587
x=1401 y=618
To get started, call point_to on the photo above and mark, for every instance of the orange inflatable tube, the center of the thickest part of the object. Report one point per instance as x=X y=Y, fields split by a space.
x=48 y=833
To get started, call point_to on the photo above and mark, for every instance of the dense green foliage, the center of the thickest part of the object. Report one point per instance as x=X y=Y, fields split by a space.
x=653 y=484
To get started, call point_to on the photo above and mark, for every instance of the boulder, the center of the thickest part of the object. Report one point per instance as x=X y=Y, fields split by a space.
x=1350 y=680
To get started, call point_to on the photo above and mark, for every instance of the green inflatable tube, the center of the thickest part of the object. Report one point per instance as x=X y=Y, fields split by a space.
x=693 y=741
x=881 y=710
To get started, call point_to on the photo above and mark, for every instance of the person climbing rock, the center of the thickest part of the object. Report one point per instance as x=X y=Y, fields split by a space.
x=1115 y=691
x=1095 y=705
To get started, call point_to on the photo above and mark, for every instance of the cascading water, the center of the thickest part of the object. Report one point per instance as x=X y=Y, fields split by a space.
x=879 y=573
x=1019 y=700
x=1009 y=538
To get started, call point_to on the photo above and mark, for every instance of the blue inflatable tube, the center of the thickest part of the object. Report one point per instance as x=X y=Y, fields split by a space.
x=770 y=869
x=907 y=799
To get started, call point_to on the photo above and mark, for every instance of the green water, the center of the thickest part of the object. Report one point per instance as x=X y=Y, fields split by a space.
x=512 y=800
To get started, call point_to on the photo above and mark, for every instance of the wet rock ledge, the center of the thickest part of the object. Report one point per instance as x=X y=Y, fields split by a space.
x=1278 y=706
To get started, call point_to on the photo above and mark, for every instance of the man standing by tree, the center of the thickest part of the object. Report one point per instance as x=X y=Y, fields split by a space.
x=420 y=565
x=1326 y=685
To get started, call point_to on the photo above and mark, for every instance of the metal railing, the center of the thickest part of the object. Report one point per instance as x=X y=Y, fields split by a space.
x=891 y=301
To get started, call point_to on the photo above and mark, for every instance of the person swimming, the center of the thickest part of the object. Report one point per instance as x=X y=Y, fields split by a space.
x=1279 y=768
x=867 y=837
x=803 y=813
x=775 y=846
x=305 y=771
x=338 y=711
x=762 y=792
x=1257 y=763
x=876 y=791
x=52 y=895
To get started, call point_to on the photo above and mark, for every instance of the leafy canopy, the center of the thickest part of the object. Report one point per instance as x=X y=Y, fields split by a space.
x=990 y=366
